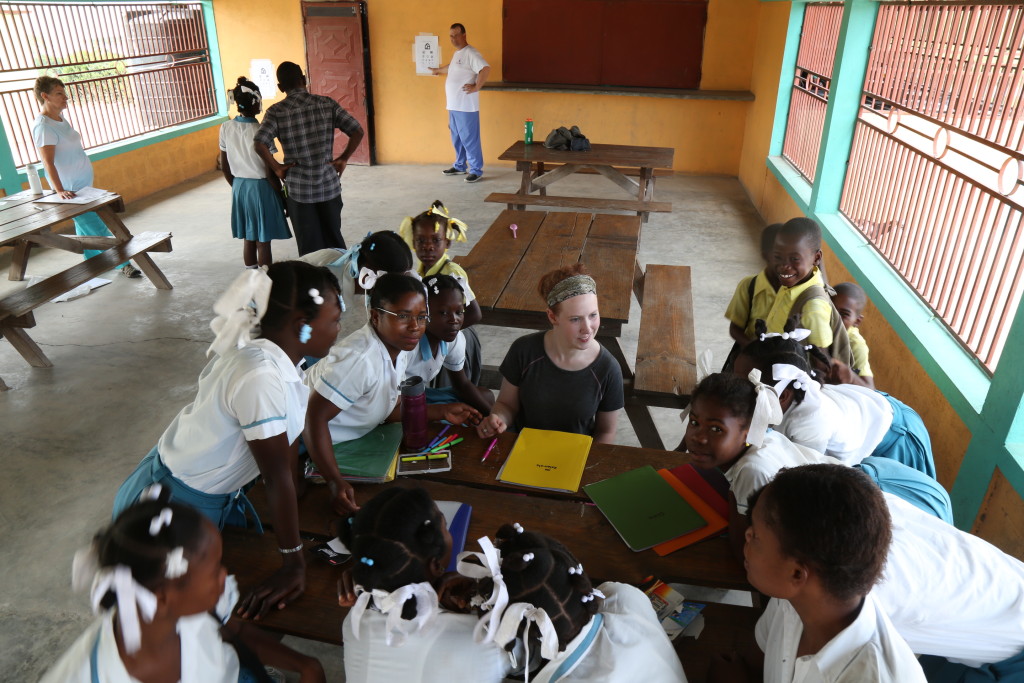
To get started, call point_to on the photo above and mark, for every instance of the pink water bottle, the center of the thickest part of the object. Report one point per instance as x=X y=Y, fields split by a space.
x=414 y=414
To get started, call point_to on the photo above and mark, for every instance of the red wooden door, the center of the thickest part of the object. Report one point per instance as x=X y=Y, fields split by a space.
x=338 y=61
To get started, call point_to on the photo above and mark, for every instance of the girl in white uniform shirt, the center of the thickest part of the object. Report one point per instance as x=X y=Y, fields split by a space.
x=357 y=268
x=248 y=413
x=557 y=626
x=728 y=428
x=442 y=347
x=846 y=421
x=816 y=546
x=397 y=629
x=159 y=589
x=355 y=388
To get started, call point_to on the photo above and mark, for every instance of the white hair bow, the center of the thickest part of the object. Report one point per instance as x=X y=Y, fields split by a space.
x=767 y=410
x=133 y=601
x=368 y=278
x=509 y=628
x=489 y=568
x=789 y=375
x=799 y=334
x=391 y=604
x=240 y=309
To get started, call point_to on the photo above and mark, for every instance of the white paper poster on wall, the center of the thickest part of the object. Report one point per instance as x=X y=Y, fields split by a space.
x=426 y=53
x=261 y=72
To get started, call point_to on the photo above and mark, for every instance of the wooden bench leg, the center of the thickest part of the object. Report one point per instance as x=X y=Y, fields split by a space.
x=19 y=261
x=154 y=274
x=25 y=346
x=643 y=424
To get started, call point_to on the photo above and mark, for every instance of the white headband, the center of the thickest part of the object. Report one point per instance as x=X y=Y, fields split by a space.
x=767 y=410
x=489 y=568
x=786 y=375
x=391 y=604
x=240 y=309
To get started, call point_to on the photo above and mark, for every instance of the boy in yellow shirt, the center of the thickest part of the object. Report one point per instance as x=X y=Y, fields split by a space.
x=849 y=300
x=795 y=261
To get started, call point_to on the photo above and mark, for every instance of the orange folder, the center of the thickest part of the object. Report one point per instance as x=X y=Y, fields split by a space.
x=716 y=523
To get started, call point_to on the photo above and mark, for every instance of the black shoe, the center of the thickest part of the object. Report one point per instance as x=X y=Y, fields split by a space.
x=472 y=178
x=453 y=171
x=131 y=271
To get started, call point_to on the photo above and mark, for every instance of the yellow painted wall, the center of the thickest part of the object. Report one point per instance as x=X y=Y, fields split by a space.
x=896 y=369
x=410 y=117
x=143 y=171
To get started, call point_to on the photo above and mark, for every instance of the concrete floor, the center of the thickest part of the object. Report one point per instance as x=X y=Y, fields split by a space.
x=127 y=356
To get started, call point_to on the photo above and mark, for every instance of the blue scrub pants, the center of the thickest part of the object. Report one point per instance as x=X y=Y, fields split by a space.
x=91 y=225
x=465 y=130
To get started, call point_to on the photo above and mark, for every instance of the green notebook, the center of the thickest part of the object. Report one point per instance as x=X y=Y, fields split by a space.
x=371 y=457
x=644 y=508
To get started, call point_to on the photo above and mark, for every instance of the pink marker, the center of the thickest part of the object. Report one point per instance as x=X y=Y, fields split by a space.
x=513 y=228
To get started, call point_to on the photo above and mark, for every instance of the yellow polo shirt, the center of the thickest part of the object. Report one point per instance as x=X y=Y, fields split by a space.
x=860 y=352
x=445 y=266
x=774 y=308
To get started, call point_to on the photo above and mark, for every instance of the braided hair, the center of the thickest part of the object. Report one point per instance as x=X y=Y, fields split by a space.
x=391 y=286
x=385 y=250
x=440 y=283
x=293 y=281
x=246 y=96
x=393 y=538
x=764 y=353
x=128 y=541
x=734 y=393
x=536 y=570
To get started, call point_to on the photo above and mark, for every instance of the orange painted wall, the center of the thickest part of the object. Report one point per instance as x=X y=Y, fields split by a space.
x=410 y=117
x=139 y=172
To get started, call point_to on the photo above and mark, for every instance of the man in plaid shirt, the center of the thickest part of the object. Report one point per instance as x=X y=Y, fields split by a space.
x=305 y=124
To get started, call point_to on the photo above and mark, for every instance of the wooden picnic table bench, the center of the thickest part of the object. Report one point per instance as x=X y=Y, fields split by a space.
x=542 y=167
x=25 y=224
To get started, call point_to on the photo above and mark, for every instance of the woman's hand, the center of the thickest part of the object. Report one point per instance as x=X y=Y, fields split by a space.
x=491 y=426
x=284 y=586
x=343 y=497
x=65 y=194
x=346 y=589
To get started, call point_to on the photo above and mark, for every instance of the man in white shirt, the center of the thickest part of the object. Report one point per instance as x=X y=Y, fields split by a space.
x=467 y=73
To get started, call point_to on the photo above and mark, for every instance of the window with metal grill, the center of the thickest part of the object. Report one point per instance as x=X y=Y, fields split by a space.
x=128 y=68
x=811 y=84
x=935 y=179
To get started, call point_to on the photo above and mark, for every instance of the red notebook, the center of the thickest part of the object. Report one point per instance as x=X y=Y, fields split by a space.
x=696 y=482
x=716 y=522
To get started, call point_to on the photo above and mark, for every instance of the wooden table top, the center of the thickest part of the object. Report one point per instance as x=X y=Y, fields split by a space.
x=583 y=528
x=20 y=216
x=628 y=156
x=505 y=270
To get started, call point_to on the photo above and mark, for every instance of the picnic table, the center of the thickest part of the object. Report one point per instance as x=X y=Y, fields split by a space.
x=542 y=167
x=25 y=224
x=505 y=267
x=567 y=516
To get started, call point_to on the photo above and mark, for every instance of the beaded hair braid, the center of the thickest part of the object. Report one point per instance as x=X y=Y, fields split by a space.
x=393 y=538
x=539 y=570
x=293 y=281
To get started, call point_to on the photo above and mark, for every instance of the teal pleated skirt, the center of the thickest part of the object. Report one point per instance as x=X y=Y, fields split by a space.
x=257 y=212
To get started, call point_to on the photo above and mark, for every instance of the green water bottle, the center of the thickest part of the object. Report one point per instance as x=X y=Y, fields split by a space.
x=528 y=132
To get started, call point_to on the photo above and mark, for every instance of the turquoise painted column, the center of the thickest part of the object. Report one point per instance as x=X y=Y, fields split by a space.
x=789 y=55
x=851 y=63
x=997 y=435
x=10 y=179
x=218 y=72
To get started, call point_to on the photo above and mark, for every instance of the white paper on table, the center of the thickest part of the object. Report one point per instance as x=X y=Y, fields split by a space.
x=427 y=54
x=83 y=196
x=79 y=291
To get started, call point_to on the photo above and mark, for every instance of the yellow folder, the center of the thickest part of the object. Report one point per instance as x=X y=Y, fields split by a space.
x=547 y=459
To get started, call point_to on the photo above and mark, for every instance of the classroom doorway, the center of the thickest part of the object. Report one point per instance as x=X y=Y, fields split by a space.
x=338 y=65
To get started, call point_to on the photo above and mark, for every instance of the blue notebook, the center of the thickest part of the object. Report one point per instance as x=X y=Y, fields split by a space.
x=456 y=515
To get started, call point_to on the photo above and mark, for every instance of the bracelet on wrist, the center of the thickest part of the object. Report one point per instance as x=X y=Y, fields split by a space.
x=289 y=551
